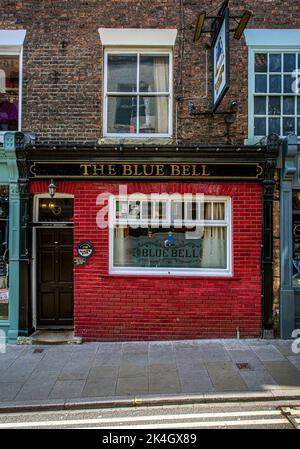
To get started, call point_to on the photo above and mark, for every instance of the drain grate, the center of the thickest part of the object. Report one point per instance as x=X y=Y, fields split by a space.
x=243 y=365
x=38 y=351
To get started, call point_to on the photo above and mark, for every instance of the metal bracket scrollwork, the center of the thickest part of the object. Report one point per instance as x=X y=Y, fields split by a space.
x=269 y=181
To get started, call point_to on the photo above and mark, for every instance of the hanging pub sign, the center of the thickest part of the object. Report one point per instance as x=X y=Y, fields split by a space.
x=220 y=60
x=85 y=249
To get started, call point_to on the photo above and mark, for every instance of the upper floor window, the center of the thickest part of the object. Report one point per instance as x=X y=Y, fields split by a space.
x=138 y=93
x=276 y=102
x=273 y=73
x=9 y=92
x=11 y=56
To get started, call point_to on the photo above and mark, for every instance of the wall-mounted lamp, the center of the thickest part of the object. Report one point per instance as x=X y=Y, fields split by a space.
x=52 y=188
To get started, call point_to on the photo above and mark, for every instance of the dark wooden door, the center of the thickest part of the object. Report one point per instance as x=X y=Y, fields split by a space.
x=55 y=276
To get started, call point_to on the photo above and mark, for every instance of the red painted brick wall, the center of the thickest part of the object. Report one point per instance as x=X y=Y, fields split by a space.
x=147 y=308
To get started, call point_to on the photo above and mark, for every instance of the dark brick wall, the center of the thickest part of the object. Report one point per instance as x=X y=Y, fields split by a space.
x=63 y=61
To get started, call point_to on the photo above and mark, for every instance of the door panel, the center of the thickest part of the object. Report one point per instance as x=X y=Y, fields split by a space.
x=55 y=276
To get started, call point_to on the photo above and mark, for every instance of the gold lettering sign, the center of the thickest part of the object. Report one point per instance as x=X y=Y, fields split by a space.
x=151 y=170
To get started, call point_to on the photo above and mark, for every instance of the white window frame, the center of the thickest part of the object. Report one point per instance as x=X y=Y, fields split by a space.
x=11 y=44
x=138 y=51
x=265 y=41
x=201 y=272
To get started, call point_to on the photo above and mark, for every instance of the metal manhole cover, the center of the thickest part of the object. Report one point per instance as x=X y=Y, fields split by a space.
x=243 y=365
x=38 y=351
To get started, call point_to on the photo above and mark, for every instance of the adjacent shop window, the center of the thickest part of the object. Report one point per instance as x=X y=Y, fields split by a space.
x=55 y=209
x=276 y=94
x=138 y=94
x=296 y=238
x=166 y=236
x=4 y=214
x=9 y=93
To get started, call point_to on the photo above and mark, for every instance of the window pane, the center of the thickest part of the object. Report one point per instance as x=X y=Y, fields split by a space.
x=274 y=106
x=4 y=211
x=298 y=126
x=288 y=125
x=259 y=126
x=154 y=115
x=275 y=63
x=298 y=105
x=260 y=105
x=288 y=83
x=9 y=92
x=275 y=83
x=154 y=73
x=274 y=126
x=260 y=83
x=170 y=248
x=289 y=105
x=55 y=209
x=121 y=115
x=121 y=73
x=289 y=62
x=261 y=62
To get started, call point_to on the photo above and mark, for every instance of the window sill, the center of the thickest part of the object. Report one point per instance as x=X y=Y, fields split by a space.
x=135 y=140
x=172 y=276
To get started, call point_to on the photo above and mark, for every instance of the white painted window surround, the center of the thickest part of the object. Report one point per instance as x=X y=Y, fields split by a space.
x=164 y=221
x=11 y=43
x=265 y=40
x=142 y=42
x=137 y=37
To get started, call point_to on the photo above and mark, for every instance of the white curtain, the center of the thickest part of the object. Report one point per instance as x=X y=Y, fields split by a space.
x=120 y=247
x=161 y=80
x=214 y=239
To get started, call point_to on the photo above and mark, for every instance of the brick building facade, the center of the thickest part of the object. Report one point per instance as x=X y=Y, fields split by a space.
x=62 y=104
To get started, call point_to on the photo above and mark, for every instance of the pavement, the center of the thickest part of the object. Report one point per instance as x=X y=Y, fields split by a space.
x=135 y=373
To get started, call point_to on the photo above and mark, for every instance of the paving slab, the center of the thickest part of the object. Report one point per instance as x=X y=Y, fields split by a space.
x=285 y=347
x=139 y=358
x=246 y=356
x=164 y=383
x=215 y=355
x=9 y=390
x=32 y=391
x=105 y=387
x=140 y=346
x=132 y=385
x=74 y=372
x=200 y=383
x=268 y=353
x=295 y=360
x=258 y=379
x=284 y=373
x=107 y=358
x=67 y=389
x=225 y=377
x=101 y=372
x=161 y=352
x=133 y=370
x=192 y=368
x=162 y=369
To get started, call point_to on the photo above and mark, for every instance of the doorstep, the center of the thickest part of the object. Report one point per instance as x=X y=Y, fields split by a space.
x=50 y=337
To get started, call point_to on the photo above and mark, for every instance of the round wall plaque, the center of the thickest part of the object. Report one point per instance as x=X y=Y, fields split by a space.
x=85 y=249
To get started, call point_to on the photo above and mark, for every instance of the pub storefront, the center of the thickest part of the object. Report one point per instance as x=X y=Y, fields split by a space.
x=151 y=243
